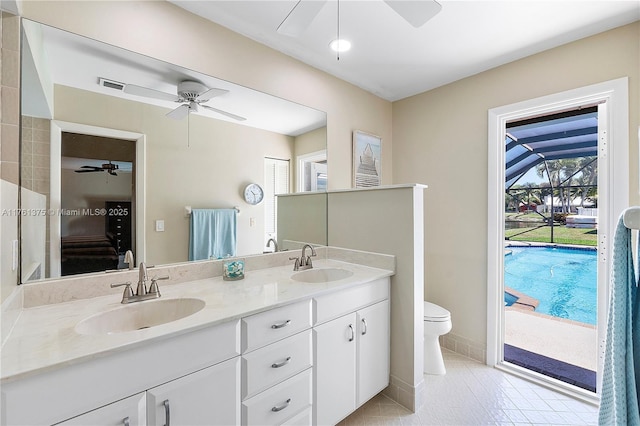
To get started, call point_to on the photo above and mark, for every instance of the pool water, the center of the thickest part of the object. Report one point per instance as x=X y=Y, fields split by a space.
x=563 y=280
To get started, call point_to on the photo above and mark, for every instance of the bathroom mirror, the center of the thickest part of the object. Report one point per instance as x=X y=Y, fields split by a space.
x=104 y=169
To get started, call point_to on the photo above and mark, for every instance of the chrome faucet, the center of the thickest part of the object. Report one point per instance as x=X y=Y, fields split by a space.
x=275 y=244
x=142 y=293
x=142 y=280
x=129 y=259
x=305 y=261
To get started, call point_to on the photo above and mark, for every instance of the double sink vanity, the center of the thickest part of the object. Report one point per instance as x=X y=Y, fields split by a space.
x=278 y=347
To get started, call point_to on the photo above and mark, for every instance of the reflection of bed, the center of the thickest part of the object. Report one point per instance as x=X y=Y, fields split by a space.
x=88 y=253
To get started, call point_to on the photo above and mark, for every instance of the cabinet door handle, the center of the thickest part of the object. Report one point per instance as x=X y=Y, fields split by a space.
x=364 y=326
x=282 y=324
x=281 y=364
x=281 y=407
x=125 y=421
x=353 y=334
x=167 y=412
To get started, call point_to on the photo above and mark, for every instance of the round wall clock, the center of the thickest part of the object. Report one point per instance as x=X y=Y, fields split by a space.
x=253 y=193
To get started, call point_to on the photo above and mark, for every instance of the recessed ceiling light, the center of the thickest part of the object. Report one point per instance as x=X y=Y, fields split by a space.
x=340 y=45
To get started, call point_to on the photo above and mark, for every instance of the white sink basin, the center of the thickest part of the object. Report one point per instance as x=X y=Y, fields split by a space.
x=139 y=315
x=321 y=275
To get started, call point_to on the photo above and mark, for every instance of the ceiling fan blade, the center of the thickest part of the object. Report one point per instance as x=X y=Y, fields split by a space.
x=300 y=17
x=132 y=89
x=210 y=94
x=415 y=12
x=179 y=113
x=225 y=113
x=91 y=167
x=88 y=171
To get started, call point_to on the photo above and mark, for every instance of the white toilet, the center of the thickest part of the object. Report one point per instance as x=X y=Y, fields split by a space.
x=437 y=321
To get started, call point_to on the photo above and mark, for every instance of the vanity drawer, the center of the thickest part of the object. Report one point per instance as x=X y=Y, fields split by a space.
x=274 y=363
x=343 y=302
x=302 y=419
x=280 y=403
x=270 y=326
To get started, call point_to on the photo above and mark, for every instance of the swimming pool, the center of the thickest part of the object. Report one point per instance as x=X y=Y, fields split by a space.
x=564 y=280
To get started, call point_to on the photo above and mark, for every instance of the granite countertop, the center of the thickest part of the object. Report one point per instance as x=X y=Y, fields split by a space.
x=44 y=337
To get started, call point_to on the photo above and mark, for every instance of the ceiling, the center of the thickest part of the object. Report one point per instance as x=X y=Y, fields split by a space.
x=394 y=60
x=52 y=50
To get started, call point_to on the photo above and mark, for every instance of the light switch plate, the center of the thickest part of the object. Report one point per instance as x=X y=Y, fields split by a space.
x=159 y=225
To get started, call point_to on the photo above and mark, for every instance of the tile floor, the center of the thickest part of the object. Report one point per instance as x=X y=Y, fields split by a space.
x=473 y=394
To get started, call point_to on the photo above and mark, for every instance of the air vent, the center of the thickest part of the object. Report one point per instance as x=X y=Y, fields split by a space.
x=110 y=84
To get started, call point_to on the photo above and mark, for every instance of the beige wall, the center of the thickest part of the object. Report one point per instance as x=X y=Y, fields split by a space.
x=313 y=141
x=440 y=139
x=302 y=218
x=200 y=171
x=389 y=221
x=141 y=26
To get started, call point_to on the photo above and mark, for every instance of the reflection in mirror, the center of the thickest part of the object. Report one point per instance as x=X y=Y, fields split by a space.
x=116 y=145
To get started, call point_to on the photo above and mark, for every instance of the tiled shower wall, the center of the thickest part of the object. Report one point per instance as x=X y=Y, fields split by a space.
x=10 y=94
x=9 y=146
x=35 y=161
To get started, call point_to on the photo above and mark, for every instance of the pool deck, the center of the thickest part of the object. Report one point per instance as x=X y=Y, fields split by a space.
x=568 y=341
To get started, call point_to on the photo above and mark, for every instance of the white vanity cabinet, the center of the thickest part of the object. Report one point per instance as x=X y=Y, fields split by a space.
x=351 y=362
x=310 y=361
x=276 y=365
x=207 y=397
x=126 y=412
x=187 y=363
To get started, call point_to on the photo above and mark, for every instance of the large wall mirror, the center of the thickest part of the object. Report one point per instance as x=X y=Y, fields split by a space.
x=116 y=147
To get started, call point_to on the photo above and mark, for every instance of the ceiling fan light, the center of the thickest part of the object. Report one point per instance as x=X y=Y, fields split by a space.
x=340 y=45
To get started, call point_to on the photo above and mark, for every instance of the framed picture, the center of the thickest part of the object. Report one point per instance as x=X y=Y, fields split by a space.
x=367 y=155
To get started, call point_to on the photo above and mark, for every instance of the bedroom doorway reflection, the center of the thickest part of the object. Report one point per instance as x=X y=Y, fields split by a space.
x=96 y=193
x=96 y=187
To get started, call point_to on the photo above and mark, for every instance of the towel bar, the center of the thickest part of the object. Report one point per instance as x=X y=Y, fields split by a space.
x=631 y=218
x=187 y=210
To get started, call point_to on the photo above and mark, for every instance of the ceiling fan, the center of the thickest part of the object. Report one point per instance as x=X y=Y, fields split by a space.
x=109 y=167
x=415 y=12
x=191 y=94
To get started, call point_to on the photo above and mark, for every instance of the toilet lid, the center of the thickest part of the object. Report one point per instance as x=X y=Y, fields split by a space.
x=433 y=311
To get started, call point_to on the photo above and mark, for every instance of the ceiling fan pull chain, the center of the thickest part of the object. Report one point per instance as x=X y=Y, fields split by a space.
x=338 y=35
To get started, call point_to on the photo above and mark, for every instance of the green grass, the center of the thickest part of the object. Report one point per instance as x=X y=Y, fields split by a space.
x=561 y=235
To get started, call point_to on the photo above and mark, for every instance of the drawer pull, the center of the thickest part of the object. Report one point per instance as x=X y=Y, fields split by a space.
x=167 y=413
x=364 y=326
x=282 y=324
x=125 y=421
x=353 y=335
x=281 y=364
x=281 y=407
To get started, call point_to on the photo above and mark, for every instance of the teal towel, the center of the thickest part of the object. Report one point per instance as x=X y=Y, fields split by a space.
x=619 y=397
x=212 y=234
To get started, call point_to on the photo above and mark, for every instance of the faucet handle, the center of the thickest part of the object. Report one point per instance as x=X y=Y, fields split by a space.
x=128 y=291
x=153 y=287
x=160 y=278
x=296 y=265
